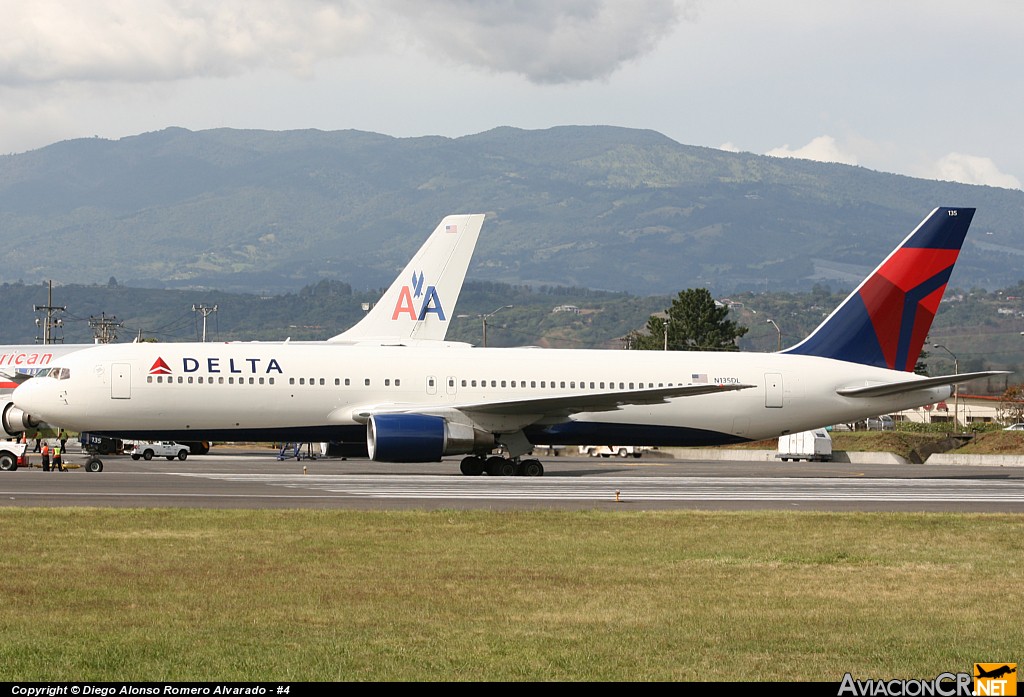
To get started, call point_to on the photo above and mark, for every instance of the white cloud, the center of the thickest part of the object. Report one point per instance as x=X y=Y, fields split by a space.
x=122 y=40
x=546 y=42
x=820 y=149
x=52 y=41
x=971 y=169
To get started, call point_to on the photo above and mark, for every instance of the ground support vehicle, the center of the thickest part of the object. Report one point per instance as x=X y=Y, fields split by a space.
x=609 y=450
x=147 y=450
x=101 y=445
x=813 y=446
x=12 y=454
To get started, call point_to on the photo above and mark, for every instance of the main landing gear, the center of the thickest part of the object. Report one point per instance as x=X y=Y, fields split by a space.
x=495 y=466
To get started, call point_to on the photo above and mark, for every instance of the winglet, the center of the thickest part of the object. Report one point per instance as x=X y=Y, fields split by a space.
x=884 y=322
x=419 y=304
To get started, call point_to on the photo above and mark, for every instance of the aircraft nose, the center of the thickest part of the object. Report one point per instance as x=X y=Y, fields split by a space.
x=30 y=396
x=18 y=418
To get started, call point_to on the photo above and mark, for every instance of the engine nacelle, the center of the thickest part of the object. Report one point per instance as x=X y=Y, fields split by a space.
x=421 y=438
x=15 y=421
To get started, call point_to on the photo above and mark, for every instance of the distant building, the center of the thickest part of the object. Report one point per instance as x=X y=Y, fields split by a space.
x=567 y=308
x=974 y=409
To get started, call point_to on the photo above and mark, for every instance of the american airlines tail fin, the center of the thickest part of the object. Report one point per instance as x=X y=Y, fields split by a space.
x=885 y=321
x=419 y=304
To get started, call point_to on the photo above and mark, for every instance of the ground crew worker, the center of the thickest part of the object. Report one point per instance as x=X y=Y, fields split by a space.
x=46 y=456
x=57 y=463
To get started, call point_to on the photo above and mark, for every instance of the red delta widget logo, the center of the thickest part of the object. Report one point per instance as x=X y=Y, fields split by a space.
x=427 y=299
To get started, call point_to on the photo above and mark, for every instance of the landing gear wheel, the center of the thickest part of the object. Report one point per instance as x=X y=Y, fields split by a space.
x=94 y=465
x=472 y=466
x=500 y=467
x=531 y=468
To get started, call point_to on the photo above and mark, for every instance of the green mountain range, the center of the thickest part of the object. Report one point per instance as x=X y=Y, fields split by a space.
x=593 y=207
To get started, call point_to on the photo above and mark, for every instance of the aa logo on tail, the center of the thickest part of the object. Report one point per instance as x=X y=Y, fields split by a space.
x=416 y=301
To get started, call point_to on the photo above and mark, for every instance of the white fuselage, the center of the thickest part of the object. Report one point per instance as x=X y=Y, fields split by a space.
x=317 y=389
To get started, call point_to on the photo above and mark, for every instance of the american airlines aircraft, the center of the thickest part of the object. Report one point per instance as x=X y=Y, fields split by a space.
x=417 y=402
x=416 y=308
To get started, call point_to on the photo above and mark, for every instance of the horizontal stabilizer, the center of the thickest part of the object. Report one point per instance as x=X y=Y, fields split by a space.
x=891 y=388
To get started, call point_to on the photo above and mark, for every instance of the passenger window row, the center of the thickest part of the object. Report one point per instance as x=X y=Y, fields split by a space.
x=562 y=384
x=199 y=379
x=397 y=382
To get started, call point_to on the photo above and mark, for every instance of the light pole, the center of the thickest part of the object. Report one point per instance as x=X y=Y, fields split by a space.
x=772 y=322
x=956 y=387
x=491 y=314
x=666 y=334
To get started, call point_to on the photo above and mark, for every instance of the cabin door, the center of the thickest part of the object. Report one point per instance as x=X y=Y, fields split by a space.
x=120 y=381
x=773 y=390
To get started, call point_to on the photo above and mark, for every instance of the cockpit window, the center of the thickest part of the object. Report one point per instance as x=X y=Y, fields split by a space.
x=56 y=373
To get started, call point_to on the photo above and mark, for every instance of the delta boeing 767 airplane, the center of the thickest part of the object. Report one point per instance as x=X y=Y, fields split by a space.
x=420 y=401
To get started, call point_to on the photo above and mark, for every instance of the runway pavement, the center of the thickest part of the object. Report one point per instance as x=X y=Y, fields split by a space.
x=253 y=478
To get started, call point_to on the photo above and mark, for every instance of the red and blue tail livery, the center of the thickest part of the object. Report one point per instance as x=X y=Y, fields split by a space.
x=885 y=321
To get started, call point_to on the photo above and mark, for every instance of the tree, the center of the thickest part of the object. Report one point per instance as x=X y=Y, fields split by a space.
x=921 y=367
x=695 y=322
x=1011 y=408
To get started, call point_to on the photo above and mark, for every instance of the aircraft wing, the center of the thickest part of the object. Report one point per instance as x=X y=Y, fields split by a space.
x=890 y=388
x=563 y=405
x=558 y=405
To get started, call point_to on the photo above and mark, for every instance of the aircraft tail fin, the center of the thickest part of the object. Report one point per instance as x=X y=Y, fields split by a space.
x=419 y=304
x=885 y=321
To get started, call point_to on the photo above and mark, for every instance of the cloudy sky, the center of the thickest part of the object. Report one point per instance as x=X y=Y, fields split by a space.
x=927 y=88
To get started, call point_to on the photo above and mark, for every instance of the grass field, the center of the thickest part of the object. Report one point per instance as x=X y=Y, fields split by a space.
x=182 y=595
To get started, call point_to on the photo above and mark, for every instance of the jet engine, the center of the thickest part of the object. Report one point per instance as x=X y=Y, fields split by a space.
x=421 y=438
x=15 y=421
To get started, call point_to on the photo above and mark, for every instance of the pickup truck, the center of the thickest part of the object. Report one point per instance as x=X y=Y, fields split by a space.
x=609 y=450
x=147 y=449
